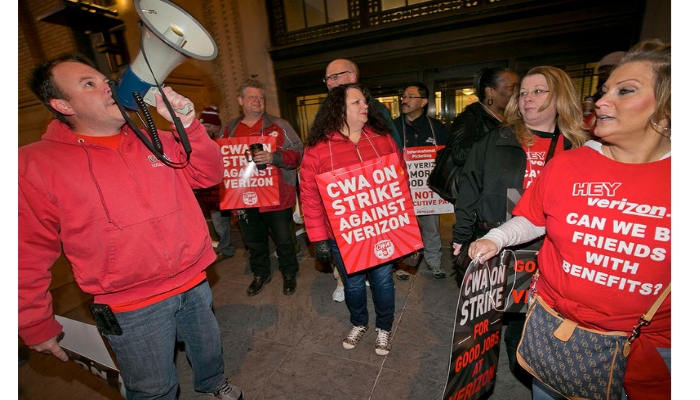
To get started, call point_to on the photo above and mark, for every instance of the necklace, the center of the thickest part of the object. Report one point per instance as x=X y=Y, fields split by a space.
x=490 y=112
x=651 y=157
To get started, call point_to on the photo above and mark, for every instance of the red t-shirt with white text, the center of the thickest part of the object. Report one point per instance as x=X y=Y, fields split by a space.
x=607 y=251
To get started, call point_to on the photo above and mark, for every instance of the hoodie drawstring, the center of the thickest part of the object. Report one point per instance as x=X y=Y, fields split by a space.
x=97 y=185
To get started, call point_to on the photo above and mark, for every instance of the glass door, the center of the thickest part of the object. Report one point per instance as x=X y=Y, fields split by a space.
x=454 y=89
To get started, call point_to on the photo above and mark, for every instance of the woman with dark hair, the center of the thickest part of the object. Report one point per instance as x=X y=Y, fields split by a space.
x=348 y=129
x=494 y=88
x=616 y=191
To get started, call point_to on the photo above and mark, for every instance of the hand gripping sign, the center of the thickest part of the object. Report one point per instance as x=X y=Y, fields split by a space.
x=244 y=185
x=370 y=209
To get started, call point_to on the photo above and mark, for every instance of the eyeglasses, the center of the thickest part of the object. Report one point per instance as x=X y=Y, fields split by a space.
x=334 y=77
x=534 y=93
x=410 y=97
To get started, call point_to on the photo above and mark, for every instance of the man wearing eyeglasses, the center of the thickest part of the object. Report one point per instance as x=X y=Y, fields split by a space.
x=416 y=129
x=340 y=72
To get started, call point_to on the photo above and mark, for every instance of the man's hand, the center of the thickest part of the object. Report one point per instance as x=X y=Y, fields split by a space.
x=178 y=102
x=456 y=249
x=322 y=251
x=262 y=157
x=51 y=347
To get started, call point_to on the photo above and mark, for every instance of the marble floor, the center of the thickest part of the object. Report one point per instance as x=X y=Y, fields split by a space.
x=290 y=347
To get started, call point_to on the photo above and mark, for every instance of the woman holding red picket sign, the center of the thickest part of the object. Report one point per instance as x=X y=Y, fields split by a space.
x=348 y=129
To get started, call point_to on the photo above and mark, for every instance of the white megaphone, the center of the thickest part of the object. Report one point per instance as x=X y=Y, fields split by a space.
x=169 y=36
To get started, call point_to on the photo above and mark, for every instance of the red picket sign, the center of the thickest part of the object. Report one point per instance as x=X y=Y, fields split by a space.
x=244 y=186
x=370 y=209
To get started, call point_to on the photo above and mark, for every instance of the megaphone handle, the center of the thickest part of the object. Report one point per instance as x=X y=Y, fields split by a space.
x=176 y=120
x=150 y=99
x=151 y=128
x=185 y=110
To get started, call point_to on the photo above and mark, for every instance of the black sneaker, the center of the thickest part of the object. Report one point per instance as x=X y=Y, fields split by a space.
x=257 y=284
x=290 y=285
x=438 y=272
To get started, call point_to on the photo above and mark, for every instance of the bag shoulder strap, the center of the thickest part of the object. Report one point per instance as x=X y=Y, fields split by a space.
x=553 y=144
x=432 y=129
x=645 y=319
x=647 y=316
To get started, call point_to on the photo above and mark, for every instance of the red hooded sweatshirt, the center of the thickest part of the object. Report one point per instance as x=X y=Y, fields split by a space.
x=129 y=224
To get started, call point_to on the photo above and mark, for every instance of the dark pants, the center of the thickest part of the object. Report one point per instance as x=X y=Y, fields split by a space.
x=256 y=226
x=514 y=331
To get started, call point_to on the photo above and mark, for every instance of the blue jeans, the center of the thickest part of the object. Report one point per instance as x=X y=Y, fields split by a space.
x=221 y=219
x=256 y=228
x=146 y=349
x=540 y=391
x=381 y=283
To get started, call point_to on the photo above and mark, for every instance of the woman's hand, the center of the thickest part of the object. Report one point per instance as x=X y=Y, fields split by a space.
x=483 y=249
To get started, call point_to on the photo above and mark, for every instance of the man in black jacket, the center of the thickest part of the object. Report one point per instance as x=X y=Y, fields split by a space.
x=416 y=128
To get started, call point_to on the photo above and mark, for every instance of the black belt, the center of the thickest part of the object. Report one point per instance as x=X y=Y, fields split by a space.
x=488 y=225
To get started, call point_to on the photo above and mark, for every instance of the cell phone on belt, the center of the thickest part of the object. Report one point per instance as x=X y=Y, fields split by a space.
x=105 y=319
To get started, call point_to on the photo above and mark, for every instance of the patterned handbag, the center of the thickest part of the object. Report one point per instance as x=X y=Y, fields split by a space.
x=577 y=362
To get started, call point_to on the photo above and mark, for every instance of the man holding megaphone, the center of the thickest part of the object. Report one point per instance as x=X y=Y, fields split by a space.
x=130 y=227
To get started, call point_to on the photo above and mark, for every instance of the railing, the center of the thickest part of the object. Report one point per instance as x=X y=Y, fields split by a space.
x=366 y=14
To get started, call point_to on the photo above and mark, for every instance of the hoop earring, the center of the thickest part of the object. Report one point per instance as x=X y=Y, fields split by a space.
x=489 y=102
x=656 y=128
x=659 y=126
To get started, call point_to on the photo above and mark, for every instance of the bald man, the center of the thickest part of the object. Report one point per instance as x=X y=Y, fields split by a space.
x=342 y=71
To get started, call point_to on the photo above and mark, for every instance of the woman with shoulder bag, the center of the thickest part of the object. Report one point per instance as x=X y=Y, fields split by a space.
x=605 y=211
